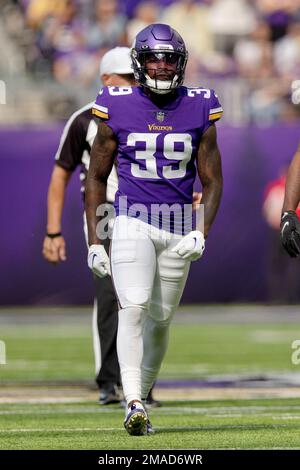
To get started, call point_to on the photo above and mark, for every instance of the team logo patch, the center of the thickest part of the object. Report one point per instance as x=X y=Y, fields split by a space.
x=160 y=116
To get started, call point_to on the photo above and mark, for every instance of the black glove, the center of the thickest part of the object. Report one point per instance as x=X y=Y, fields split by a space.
x=290 y=233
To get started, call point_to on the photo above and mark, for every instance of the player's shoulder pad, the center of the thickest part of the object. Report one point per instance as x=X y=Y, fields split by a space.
x=107 y=97
x=100 y=107
x=208 y=98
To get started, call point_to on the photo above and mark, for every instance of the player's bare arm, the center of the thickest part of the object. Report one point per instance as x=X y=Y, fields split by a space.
x=292 y=188
x=54 y=249
x=102 y=159
x=210 y=173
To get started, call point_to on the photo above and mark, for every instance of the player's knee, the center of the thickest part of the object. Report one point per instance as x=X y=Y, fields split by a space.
x=129 y=317
x=161 y=314
x=133 y=297
x=158 y=331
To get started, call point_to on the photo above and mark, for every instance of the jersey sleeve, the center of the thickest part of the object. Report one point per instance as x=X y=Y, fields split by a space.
x=215 y=110
x=106 y=108
x=111 y=106
x=71 y=145
x=101 y=106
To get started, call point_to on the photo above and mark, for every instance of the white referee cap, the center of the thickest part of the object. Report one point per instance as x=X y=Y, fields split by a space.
x=116 y=60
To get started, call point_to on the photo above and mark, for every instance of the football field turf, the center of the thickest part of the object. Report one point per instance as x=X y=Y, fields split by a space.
x=227 y=382
x=234 y=424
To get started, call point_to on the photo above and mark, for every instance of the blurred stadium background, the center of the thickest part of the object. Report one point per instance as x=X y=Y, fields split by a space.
x=232 y=337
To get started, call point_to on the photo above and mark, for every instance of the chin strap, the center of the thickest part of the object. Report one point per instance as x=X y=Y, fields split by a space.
x=161 y=87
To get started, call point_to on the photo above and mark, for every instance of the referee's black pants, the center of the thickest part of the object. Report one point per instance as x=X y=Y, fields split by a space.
x=107 y=324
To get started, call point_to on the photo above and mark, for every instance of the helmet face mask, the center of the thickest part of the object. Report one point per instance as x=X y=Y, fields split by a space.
x=159 y=58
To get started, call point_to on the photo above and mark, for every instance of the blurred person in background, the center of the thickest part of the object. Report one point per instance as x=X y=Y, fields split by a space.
x=108 y=26
x=49 y=41
x=13 y=40
x=278 y=14
x=61 y=39
x=282 y=275
x=254 y=62
x=224 y=31
x=269 y=69
x=229 y=20
x=146 y=12
x=74 y=37
x=287 y=53
x=189 y=17
x=267 y=102
x=290 y=225
x=74 y=150
x=253 y=53
x=37 y=11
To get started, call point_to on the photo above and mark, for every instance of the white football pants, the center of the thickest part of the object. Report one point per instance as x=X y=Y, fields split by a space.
x=149 y=280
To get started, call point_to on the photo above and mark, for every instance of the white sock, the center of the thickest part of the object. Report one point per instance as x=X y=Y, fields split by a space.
x=130 y=351
x=155 y=338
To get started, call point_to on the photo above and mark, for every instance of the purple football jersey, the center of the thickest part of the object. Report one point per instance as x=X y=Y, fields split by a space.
x=157 y=146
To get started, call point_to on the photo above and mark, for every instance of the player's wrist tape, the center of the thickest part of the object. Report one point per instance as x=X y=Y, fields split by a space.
x=290 y=212
x=53 y=235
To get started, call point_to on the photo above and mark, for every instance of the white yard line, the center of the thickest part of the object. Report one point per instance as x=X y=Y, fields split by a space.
x=55 y=430
x=161 y=428
x=286 y=412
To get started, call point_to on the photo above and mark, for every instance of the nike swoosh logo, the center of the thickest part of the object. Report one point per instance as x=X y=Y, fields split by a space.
x=282 y=230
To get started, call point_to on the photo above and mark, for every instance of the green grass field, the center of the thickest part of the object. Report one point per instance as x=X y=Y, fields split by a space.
x=62 y=353
x=238 y=424
x=40 y=354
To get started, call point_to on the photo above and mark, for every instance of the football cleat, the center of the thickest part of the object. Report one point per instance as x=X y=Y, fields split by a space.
x=150 y=401
x=109 y=395
x=136 y=420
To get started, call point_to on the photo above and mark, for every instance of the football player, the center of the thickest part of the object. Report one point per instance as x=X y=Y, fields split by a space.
x=160 y=133
x=290 y=225
x=74 y=150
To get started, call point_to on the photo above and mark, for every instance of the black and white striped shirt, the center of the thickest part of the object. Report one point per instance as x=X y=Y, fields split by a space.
x=75 y=148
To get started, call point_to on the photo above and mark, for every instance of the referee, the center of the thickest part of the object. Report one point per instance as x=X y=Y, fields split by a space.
x=74 y=149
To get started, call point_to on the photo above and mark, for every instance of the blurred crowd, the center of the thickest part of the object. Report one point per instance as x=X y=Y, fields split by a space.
x=254 y=42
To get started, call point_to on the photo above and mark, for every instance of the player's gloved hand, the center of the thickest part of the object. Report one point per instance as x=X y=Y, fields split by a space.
x=290 y=233
x=98 y=260
x=191 y=246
